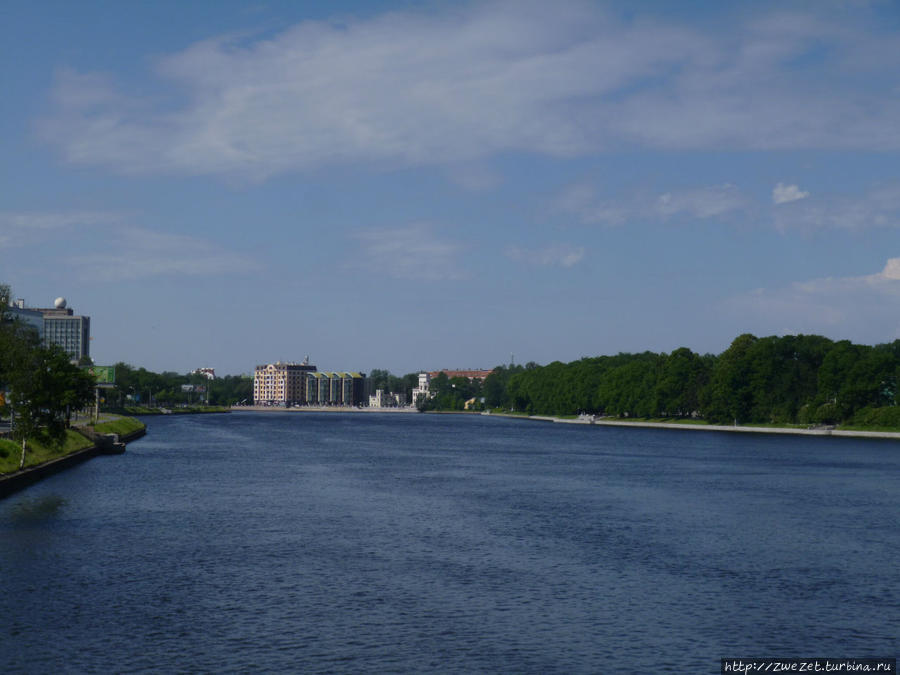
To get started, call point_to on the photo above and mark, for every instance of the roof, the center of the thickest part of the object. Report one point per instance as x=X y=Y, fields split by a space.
x=469 y=374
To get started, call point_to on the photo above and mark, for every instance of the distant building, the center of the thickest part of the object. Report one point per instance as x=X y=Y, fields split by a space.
x=59 y=326
x=421 y=392
x=208 y=373
x=29 y=317
x=385 y=399
x=292 y=384
x=281 y=383
x=468 y=374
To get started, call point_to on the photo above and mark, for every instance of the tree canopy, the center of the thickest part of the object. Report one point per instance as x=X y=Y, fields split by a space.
x=41 y=385
x=803 y=379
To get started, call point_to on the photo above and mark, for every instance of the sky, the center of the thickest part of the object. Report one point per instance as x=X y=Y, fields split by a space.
x=425 y=185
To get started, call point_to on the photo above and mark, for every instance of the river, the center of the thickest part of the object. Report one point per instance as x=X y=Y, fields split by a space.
x=359 y=543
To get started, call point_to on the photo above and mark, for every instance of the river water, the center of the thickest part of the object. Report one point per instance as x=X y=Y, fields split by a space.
x=360 y=543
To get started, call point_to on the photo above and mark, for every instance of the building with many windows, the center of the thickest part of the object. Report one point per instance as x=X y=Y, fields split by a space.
x=298 y=384
x=29 y=317
x=281 y=383
x=59 y=325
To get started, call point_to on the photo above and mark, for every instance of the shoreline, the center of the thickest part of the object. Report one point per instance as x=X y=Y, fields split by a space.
x=13 y=482
x=611 y=422
x=599 y=421
x=331 y=409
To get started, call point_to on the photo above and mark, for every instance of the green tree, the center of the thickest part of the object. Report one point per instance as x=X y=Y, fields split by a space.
x=683 y=376
x=44 y=386
x=729 y=396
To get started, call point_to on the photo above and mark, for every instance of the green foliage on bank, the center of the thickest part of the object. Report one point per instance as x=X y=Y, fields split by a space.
x=140 y=391
x=121 y=426
x=40 y=386
x=39 y=451
x=180 y=410
x=802 y=380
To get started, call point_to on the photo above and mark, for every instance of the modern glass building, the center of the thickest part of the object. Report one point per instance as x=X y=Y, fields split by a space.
x=58 y=325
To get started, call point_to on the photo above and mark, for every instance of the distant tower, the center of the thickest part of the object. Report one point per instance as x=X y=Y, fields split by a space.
x=512 y=360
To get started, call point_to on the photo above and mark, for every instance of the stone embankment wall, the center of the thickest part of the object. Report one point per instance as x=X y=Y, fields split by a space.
x=19 y=480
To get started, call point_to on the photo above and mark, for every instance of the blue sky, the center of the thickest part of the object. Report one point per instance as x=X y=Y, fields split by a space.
x=433 y=185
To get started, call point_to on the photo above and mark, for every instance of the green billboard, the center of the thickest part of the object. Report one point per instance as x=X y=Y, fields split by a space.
x=104 y=374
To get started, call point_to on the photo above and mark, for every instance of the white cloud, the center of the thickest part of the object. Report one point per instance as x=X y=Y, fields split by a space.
x=557 y=255
x=705 y=202
x=581 y=201
x=878 y=207
x=413 y=252
x=863 y=308
x=118 y=250
x=782 y=194
x=462 y=84
x=25 y=228
x=137 y=253
x=891 y=270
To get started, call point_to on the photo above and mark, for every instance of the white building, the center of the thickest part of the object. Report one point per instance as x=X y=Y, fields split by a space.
x=385 y=399
x=421 y=392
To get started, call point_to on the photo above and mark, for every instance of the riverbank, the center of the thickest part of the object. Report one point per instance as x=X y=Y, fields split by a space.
x=189 y=410
x=615 y=422
x=102 y=441
x=332 y=409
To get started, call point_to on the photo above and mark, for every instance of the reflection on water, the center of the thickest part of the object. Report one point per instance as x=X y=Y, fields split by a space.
x=30 y=511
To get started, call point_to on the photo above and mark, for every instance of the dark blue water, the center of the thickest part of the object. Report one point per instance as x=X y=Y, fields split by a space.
x=366 y=543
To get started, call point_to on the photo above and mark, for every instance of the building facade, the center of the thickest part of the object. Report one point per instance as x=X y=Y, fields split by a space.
x=29 y=317
x=59 y=326
x=281 y=383
x=299 y=384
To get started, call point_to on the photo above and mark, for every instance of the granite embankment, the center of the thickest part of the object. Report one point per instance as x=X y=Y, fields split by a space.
x=103 y=444
x=816 y=431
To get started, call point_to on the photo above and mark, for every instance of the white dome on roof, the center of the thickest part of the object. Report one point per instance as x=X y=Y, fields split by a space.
x=60 y=303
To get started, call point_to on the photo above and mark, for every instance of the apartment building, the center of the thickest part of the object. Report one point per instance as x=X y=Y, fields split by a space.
x=293 y=384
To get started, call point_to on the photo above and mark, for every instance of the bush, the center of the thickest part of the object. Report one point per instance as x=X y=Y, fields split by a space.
x=827 y=413
x=877 y=417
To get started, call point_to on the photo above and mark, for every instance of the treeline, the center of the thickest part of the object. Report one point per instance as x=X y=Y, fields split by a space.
x=39 y=388
x=139 y=386
x=801 y=379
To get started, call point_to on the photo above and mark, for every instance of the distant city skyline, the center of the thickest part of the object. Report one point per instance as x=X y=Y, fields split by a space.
x=419 y=186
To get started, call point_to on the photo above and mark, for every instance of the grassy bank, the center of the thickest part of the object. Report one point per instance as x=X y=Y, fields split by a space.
x=38 y=453
x=771 y=425
x=121 y=426
x=190 y=410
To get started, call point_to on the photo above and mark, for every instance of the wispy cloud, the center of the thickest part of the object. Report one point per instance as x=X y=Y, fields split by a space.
x=24 y=228
x=866 y=307
x=783 y=194
x=412 y=252
x=457 y=85
x=137 y=253
x=119 y=250
x=557 y=255
x=581 y=200
x=705 y=202
x=878 y=207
